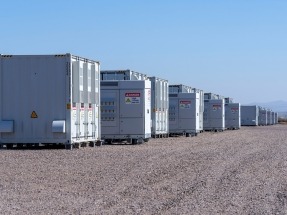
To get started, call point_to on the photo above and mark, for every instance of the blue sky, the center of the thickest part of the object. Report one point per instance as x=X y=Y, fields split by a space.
x=236 y=48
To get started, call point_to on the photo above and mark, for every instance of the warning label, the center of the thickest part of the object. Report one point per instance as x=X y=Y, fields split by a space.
x=234 y=110
x=216 y=107
x=185 y=104
x=34 y=115
x=132 y=98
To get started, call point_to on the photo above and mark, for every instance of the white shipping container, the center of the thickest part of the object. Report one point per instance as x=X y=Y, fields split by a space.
x=159 y=106
x=126 y=111
x=201 y=107
x=276 y=118
x=269 y=117
x=49 y=99
x=273 y=118
x=262 y=118
x=249 y=115
x=232 y=116
x=180 y=88
x=159 y=97
x=184 y=113
x=214 y=115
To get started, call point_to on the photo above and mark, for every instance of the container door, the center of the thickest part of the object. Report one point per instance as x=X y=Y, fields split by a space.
x=132 y=107
x=94 y=99
x=75 y=121
x=206 y=114
x=147 y=111
x=90 y=120
x=201 y=109
x=217 y=114
x=154 y=105
x=82 y=120
x=110 y=112
x=158 y=109
x=166 y=108
x=78 y=98
x=173 y=113
x=187 y=113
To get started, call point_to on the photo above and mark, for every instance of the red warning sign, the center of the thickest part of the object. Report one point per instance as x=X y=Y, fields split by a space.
x=234 y=110
x=132 y=98
x=133 y=94
x=183 y=104
x=216 y=107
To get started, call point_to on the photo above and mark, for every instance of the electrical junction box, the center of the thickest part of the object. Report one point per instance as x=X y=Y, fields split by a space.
x=184 y=113
x=126 y=110
x=180 y=88
x=232 y=116
x=214 y=115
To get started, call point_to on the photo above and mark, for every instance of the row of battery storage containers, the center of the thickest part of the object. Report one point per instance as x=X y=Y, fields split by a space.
x=49 y=99
x=253 y=115
x=272 y=120
x=214 y=112
x=158 y=99
x=232 y=114
x=185 y=110
x=271 y=117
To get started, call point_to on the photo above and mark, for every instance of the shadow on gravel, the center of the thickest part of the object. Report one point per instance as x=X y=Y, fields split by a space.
x=40 y=147
x=122 y=144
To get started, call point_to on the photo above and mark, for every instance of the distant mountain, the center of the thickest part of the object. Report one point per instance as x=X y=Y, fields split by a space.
x=277 y=106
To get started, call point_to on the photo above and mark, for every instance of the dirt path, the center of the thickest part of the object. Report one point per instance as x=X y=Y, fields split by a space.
x=232 y=172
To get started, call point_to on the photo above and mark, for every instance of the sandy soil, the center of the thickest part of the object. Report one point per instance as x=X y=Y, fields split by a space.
x=231 y=172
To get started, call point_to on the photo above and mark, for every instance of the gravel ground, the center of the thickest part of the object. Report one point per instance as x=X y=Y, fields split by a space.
x=231 y=172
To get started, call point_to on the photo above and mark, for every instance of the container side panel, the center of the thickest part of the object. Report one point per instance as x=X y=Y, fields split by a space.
x=249 y=115
x=173 y=114
x=214 y=114
x=110 y=111
x=34 y=95
x=147 y=114
x=159 y=106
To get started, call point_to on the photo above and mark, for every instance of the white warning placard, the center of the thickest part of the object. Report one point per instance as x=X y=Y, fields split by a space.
x=216 y=107
x=133 y=98
x=184 y=104
x=234 y=110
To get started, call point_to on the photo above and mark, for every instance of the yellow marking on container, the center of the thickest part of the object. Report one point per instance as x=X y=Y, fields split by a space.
x=68 y=106
x=34 y=115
